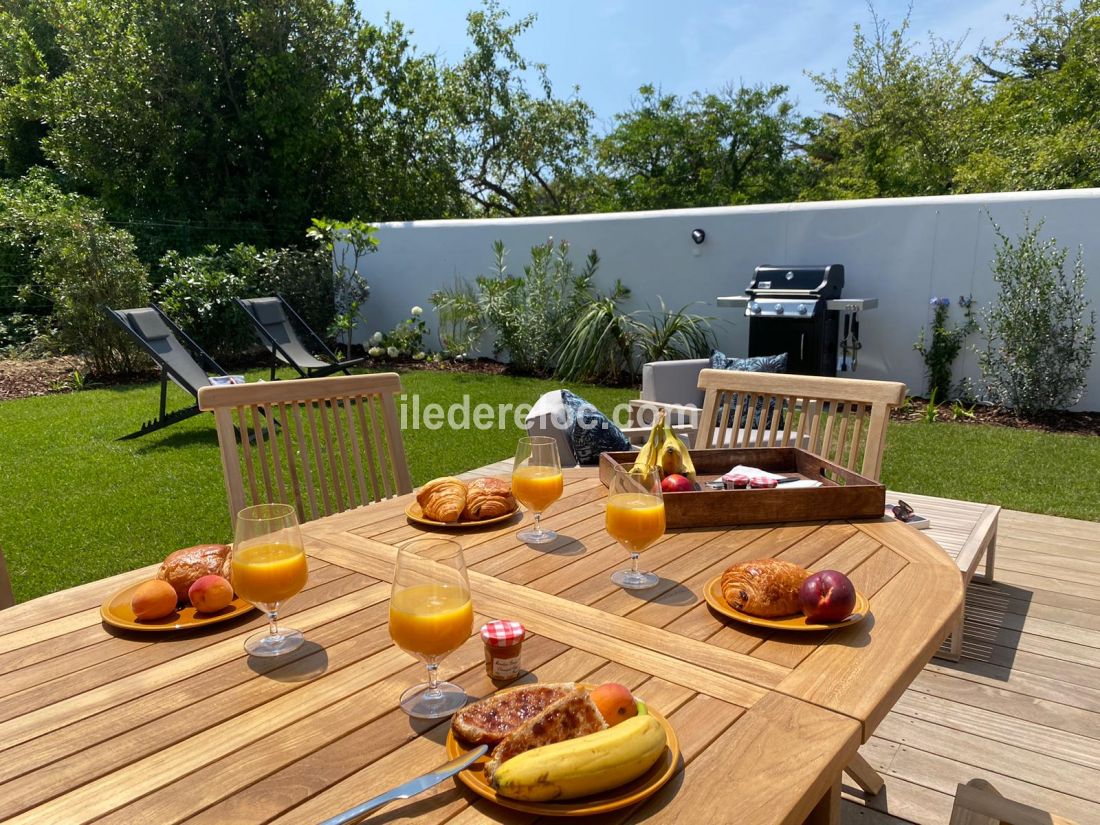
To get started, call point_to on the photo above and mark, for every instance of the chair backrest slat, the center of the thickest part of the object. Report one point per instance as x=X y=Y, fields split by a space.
x=330 y=454
x=841 y=419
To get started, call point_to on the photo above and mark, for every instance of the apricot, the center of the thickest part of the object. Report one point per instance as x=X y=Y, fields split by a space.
x=153 y=600
x=210 y=593
x=614 y=702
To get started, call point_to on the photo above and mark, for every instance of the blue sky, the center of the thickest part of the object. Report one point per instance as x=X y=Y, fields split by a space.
x=611 y=47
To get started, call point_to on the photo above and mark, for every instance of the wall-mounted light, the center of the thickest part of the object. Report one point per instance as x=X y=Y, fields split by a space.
x=698 y=235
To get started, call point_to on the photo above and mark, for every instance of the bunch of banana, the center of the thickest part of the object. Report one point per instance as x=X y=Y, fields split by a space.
x=650 y=451
x=585 y=765
x=664 y=449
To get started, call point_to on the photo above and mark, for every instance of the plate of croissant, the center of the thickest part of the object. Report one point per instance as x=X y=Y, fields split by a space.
x=454 y=504
x=765 y=593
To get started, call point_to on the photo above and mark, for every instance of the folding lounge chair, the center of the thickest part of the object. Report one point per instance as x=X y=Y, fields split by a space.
x=161 y=339
x=272 y=319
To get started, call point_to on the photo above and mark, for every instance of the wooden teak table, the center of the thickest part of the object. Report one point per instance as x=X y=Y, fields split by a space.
x=103 y=725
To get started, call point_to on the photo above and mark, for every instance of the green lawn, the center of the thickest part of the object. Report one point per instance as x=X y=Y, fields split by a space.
x=82 y=505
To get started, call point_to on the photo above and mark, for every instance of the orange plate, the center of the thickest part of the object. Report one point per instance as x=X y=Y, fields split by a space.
x=117 y=613
x=644 y=786
x=414 y=513
x=713 y=594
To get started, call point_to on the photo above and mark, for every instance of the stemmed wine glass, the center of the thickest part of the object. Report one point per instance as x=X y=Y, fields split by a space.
x=537 y=482
x=268 y=567
x=635 y=518
x=430 y=617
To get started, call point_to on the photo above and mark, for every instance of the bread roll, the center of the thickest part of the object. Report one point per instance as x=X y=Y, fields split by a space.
x=488 y=498
x=443 y=499
x=184 y=567
x=767 y=588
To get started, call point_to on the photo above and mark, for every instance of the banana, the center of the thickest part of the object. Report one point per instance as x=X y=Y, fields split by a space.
x=585 y=765
x=647 y=458
x=642 y=709
x=673 y=453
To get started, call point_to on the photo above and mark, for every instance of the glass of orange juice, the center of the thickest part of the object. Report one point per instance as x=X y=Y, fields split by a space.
x=430 y=617
x=635 y=519
x=268 y=567
x=537 y=482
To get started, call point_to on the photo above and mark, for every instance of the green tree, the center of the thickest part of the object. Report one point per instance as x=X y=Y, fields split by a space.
x=899 y=118
x=709 y=150
x=1040 y=128
x=517 y=152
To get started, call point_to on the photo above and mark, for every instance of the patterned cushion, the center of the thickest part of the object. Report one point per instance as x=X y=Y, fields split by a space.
x=758 y=363
x=590 y=431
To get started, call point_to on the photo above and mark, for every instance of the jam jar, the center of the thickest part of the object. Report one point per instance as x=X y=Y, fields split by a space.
x=503 y=640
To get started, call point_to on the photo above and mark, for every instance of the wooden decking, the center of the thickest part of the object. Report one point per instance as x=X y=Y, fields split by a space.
x=1022 y=708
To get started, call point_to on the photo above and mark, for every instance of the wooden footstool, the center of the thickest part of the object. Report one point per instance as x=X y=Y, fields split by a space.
x=967 y=531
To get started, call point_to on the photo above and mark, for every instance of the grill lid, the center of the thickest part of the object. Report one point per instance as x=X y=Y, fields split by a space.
x=810 y=282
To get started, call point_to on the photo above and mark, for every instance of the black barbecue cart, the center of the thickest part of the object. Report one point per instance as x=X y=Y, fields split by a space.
x=799 y=310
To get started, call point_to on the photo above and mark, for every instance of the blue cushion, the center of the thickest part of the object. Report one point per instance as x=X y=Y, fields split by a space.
x=590 y=431
x=758 y=363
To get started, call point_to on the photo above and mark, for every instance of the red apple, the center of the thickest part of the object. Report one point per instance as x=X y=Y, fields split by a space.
x=827 y=596
x=676 y=483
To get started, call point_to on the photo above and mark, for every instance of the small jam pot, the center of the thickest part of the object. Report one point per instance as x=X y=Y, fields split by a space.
x=503 y=640
x=763 y=482
x=736 y=482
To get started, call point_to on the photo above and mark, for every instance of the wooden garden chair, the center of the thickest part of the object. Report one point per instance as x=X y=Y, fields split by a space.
x=978 y=803
x=323 y=444
x=843 y=420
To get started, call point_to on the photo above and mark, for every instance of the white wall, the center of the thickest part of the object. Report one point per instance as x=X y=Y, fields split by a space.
x=902 y=251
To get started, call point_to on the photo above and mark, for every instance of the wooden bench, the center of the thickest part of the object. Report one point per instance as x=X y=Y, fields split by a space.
x=967 y=531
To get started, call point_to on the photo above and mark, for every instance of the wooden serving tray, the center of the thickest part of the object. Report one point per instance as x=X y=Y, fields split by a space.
x=843 y=494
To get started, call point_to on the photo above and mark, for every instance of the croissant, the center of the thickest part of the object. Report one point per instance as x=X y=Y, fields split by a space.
x=488 y=498
x=443 y=499
x=767 y=587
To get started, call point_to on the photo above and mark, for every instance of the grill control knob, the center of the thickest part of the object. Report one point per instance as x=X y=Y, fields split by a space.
x=803 y=309
x=779 y=309
x=754 y=306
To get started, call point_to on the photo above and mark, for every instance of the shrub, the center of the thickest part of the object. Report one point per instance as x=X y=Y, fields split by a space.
x=1039 y=330
x=199 y=290
x=529 y=317
x=607 y=345
x=80 y=264
x=940 y=352
x=406 y=339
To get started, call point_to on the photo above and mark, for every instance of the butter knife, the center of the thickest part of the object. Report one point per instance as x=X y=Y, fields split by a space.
x=410 y=788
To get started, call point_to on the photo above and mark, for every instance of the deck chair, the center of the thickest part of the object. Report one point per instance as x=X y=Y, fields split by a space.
x=164 y=342
x=978 y=803
x=324 y=445
x=842 y=420
x=7 y=598
x=271 y=318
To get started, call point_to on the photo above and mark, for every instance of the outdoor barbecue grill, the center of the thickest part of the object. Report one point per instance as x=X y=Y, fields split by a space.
x=797 y=310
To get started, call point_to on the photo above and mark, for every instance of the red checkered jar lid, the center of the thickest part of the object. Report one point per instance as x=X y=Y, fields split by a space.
x=502 y=633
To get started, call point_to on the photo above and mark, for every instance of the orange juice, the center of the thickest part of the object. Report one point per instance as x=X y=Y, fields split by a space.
x=536 y=487
x=268 y=573
x=635 y=520
x=431 y=619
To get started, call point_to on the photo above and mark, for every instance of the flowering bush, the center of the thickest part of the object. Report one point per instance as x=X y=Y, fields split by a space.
x=406 y=340
x=940 y=352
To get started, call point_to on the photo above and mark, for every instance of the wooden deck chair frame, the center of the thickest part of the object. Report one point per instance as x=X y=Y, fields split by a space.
x=280 y=352
x=7 y=597
x=978 y=803
x=168 y=369
x=339 y=444
x=843 y=420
